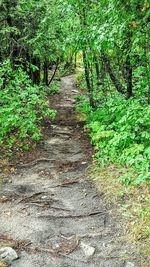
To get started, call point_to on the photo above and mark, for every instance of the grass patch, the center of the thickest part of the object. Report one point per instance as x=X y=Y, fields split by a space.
x=133 y=202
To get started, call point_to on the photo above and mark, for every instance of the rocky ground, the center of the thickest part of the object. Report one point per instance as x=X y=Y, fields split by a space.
x=51 y=213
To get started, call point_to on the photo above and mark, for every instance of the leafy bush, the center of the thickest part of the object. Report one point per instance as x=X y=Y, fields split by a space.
x=22 y=106
x=80 y=81
x=83 y=104
x=120 y=133
x=54 y=88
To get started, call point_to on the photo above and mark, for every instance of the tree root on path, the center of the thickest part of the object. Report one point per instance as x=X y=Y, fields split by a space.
x=31 y=164
x=66 y=183
x=80 y=216
x=91 y=235
x=64 y=248
x=30 y=197
x=40 y=160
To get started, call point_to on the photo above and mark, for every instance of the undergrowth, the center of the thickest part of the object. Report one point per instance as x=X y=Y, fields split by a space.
x=54 y=88
x=80 y=81
x=119 y=132
x=22 y=107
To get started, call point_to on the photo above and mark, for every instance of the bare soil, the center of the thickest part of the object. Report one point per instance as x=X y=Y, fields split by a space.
x=50 y=211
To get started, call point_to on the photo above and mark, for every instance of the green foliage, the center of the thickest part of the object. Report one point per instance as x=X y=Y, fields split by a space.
x=80 y=80
x=54 y=88
x=120 y=134
x=22 y=107
x=83 y=104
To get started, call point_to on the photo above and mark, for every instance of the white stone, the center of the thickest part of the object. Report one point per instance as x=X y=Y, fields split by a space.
x=7 y=254
x=130 y=264
x=83 y=162
x=88 y=250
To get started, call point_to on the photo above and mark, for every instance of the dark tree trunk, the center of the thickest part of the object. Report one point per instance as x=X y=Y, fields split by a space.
x=87 y=75
x=112 y=75
x=97 y=68
x=87 y=78
x=129 y=77
x=75 y=60
x=46 y=73
x=14 y=48
x=71 y=61
x=56 y=67
x=97 y=71
x=36 y=73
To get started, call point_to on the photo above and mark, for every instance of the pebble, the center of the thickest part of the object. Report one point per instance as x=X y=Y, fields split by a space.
x=88 y=250
x=7 y=254
x=130 y=264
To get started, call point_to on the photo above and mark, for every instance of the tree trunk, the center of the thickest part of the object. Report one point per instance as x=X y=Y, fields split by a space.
x=57 y=64
x=46 y=73
x=36 y=73
x=87 y=78
x=129 y=77
x=97 y=68
x=75 y=60
x=112 y=75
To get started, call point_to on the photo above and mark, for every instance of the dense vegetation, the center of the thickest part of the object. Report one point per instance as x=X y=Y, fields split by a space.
x=37 y=37
x=29 y=47
x=113 y=37
x=23 y=106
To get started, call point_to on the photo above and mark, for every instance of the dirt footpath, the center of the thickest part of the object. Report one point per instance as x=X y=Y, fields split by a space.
x=49 y=210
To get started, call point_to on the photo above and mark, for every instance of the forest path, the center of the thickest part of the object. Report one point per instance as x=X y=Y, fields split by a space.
x=51 y=212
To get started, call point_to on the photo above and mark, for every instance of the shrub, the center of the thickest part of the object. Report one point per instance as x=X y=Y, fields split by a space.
x=22 y=107
x=120 y=134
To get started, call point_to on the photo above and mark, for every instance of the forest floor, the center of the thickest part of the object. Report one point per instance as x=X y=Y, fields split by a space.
x=51 y=212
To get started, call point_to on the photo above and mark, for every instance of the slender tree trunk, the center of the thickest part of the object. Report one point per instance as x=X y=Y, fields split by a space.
x=57 y=64
x=75 y=60
x=83 y=22
x=71 y=61
x=129 y=77
x=128 y=65
x=87 y=78
x=46 y=73
x=97 y=68
x=112 y=75
x=36 y=73
x=87 y=75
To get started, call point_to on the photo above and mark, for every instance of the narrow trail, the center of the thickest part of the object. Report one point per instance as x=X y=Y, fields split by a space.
x=50 y=211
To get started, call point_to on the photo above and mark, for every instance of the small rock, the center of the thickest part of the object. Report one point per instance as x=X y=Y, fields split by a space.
x=130 y=264
x=44 y=197
x=83 y=162
x=7 y=254
x=88 y=250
